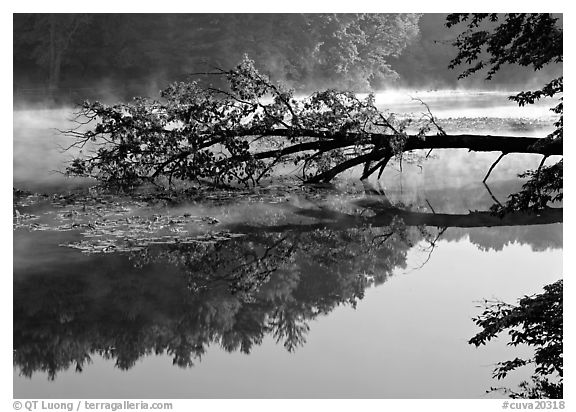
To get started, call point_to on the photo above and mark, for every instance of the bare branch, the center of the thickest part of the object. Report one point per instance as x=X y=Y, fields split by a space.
x=492 y=167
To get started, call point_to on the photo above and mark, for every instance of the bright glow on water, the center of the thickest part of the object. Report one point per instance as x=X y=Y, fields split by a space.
x=463 y=103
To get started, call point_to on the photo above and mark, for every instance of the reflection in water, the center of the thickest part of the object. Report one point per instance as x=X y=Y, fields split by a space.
x=233 y=294
x=270 y=284
x=179 y=299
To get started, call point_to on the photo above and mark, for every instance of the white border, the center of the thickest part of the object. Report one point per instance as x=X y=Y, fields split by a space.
x=310 y=7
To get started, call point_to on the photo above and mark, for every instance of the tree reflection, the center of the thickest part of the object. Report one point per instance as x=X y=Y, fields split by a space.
x=180 y=299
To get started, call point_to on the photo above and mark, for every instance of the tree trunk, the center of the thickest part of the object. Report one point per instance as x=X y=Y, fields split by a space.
x=52 y=82
x=477 y=143
x=378 y=144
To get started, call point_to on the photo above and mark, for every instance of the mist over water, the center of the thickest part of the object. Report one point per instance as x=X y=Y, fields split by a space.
x=472 y=103
x=39 y=149
x=39 y=153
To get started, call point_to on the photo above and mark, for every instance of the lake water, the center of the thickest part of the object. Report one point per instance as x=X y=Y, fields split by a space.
x=280 y=292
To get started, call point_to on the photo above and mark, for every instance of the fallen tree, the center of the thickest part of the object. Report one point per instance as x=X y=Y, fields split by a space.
x=241 y=134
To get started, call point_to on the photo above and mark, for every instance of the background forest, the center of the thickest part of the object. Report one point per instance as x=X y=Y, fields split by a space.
x=73 y=56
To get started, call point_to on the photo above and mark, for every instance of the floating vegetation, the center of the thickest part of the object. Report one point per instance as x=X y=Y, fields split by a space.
x=127 y=243
x=105 y=222
x=112 y=223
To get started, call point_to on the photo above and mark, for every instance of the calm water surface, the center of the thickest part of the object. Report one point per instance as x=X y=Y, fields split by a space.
x=326 y=292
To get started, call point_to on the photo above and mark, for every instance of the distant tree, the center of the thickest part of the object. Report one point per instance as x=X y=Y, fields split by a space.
x=351 y=50
x=306 y=51
x=51 y=37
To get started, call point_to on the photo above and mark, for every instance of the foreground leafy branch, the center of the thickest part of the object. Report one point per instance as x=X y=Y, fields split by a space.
x=241 y=134
x=536 y=321
x=490 y=41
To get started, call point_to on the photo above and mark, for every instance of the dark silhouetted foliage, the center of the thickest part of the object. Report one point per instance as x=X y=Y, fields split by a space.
x=536 y=321
x=491 y=41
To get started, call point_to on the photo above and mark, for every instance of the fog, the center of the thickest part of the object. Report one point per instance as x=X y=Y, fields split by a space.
x=470 y=103
x=39 y=157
